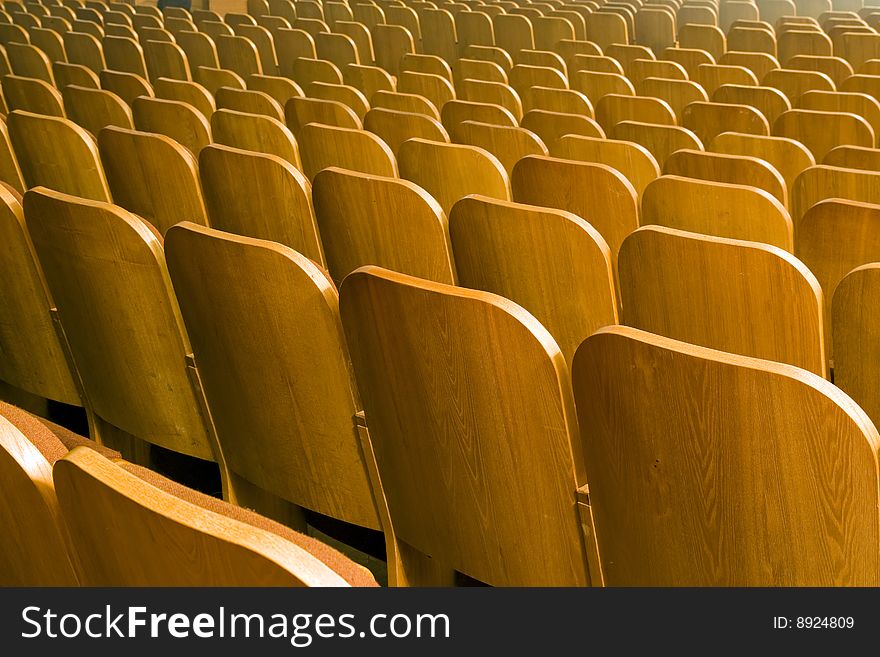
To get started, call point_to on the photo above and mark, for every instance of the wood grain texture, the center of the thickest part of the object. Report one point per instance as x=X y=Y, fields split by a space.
x=822 y=182
x=595 y=85
x=567 y=101
x=660 y=140
x=58 y=154
x=252 y=132
x=10 y=171
x=456 y=112
x=130 y=533
x=742 y=297
x=67 y=74
x=186 y=91
x=508 y=144
x=32 y=95
x=284 y=415
x=374 y=220
x=260 y=196
x=551 y=126
x=125 y=55
x=436 y=89
x=34 y=547
x=787 y=156
x=405 y=103
x=596 y=193
x=395 y=127
x=179 y=121
x=692 y=439
x=860 y=104
x=342 y=93
x=325 y=146
x=836 y=236
x=84 y=49
x=94 y=109
x=248 y=101
x=106 y=272
x=768 y=101
x=213 y=79
x=28 y=61
x=280 y=89
x=822 y=131
x=127 y=86
x=853 y=157
x=153 y=176
x=552 y=263
x=678 y=94
x=707 y=120
x=635 y=162
x=733 y=169
x=611 y=109
x=452 y=171
x=166 y=60
x=299 y=112
x=712 y=76
x=713 y=208
x=33 y=358
x=469 y=454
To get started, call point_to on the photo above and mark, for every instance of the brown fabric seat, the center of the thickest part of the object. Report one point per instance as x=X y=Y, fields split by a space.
x=353 y=573
x=52 y=441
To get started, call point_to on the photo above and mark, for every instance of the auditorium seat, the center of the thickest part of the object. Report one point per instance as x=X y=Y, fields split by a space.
x=185 y=91
x=57 y=154
x=164 y=534
x=552 y=263
x=35 y=548
x=34 y=358
x=738 y=212
x=153 y=176
x=252 y=132
x=325 y=146
x=594 y=192
x=452 y=171
x=632 y=160
x=741 y=297
x=401 y=331
x=94 y=109
x=668 y=426
x=375 y=220
x=182 y=122
x=261 y=196
x=106 y=272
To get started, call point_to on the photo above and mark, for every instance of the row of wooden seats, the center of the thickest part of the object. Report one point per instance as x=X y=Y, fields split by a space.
x=528 y=178
x=74 y=513
x=401 y=329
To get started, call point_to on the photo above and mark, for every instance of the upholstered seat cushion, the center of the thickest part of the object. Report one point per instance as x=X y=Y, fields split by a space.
x=52 y=441
x=351 y=572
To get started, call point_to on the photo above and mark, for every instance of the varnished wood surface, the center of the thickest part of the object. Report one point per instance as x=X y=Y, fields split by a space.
x=552 y=263
x=284 y=414
x=464 y=449
x=153 y=176
x=724 y=210
x=375 y=220
x=596 y=193
x=261 y=196
x=35 y=549
x=660 y=435
x=130 y=533
x=33 y=357
x=106 y=272
x=452 y=171
x=742 y=297
x=58 y=154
